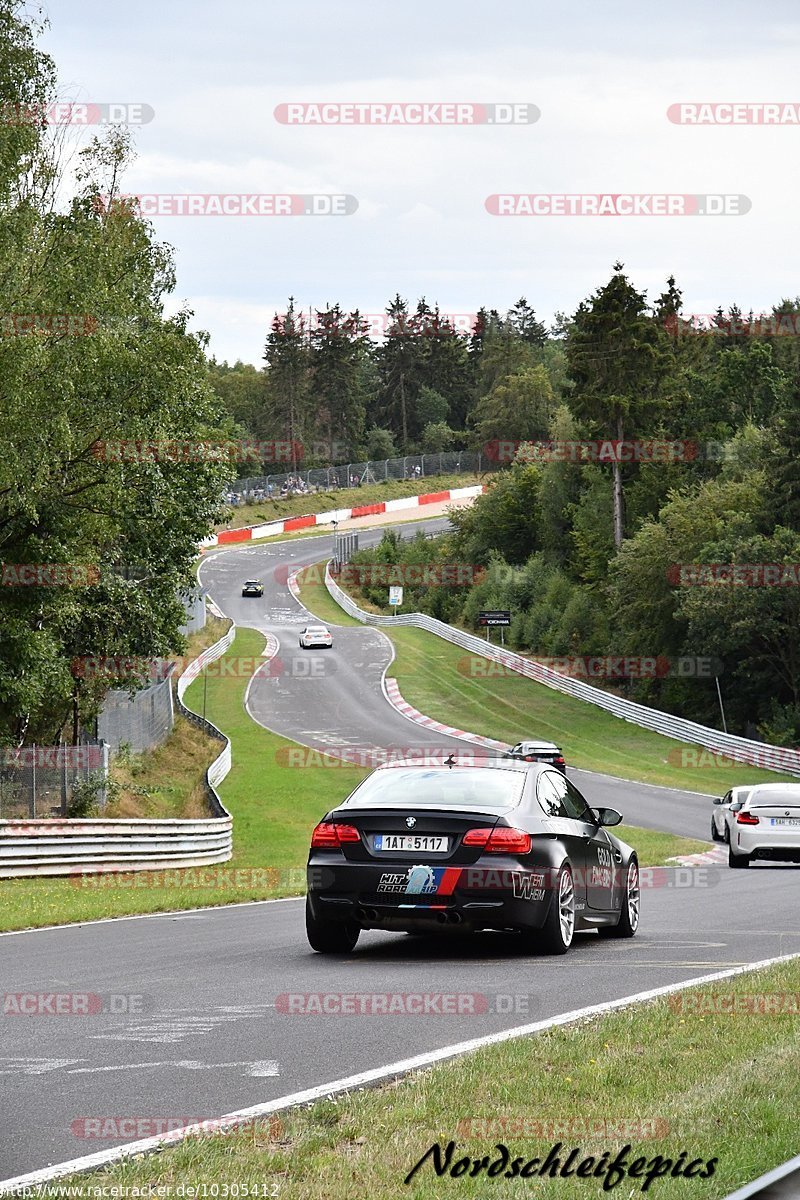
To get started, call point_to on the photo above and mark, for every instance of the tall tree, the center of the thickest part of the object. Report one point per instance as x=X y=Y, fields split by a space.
x=286 y=355
x=338 y=351
x=101 y=506
x=618 y=360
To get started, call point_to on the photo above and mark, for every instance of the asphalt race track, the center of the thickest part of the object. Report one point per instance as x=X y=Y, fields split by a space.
x=191 y=1022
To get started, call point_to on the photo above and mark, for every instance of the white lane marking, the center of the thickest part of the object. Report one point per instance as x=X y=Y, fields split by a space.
x=34 y=1066
x=176 y=1027
x=260 y=1069
x=392 y=1070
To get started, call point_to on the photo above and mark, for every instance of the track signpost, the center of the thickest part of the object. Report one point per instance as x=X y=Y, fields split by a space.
x=490 y=618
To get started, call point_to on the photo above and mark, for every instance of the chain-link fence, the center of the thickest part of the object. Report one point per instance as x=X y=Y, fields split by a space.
x=195 y=606
x=52 y=781
x=141 y=720
x=353 y=475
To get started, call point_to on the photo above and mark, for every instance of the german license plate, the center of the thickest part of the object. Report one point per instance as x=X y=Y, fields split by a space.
x=784 y=820
x=398 y=842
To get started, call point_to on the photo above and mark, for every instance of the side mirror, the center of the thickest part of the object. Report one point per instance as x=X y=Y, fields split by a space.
x=608 y=816
x=717 y=800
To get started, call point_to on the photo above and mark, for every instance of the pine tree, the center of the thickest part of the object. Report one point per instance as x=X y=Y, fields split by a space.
x=618 y=360
x=286 y=355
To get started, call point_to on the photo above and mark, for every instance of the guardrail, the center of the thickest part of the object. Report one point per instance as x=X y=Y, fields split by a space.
x=760 y=754
x=92 y=846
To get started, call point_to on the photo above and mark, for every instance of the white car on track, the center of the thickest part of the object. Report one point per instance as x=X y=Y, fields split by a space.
x=767 y=825
x=316 y=636
x=725 y=810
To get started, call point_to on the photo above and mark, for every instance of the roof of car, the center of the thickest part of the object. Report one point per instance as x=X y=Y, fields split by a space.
x=776 y=789
x=472 y=761
x=537 y=745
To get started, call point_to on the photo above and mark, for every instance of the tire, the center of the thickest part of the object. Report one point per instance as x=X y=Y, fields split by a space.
x=629 y=917
x=555 y=936
x=726 y=837
x=714 y=835
x=737 y=860
x=330 y=937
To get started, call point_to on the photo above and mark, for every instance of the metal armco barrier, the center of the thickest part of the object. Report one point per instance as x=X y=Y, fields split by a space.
x=773 y=758
x=91 y=846
x=781 y=1184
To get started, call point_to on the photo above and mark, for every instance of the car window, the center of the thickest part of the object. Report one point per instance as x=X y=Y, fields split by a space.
x=457 y=787
x=516 y=749
x=550 y=795
x=789 y=798
x=577 y=803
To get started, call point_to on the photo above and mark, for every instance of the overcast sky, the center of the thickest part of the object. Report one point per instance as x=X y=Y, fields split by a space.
x=602 y=74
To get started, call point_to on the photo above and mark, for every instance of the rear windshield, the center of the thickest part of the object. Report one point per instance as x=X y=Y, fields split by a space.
x=771 y=799
x=457 y=787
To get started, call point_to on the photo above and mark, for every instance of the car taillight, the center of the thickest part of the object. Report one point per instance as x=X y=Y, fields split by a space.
x=559 y=762
x=529 y=758
x=746 y=818
x=499 y=841
x=329 y=835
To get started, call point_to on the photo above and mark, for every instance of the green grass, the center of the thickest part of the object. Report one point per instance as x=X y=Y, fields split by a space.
x=716 y=1086
x=655 y=848
x=369 y=493
x=436 y=678
x=318 y=600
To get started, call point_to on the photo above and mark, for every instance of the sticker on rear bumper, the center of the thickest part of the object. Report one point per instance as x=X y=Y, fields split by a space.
x=421 y=881
x=527 y=887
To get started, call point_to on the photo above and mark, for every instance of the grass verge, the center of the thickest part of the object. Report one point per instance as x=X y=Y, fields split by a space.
x=446 y=683
x=662 y=1078
x=369 y=493
x=166 y=781
x=318 y=600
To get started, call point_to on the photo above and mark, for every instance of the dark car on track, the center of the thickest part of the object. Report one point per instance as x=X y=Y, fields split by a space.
x=253 y=587
x=536 y=751
x=498 y=845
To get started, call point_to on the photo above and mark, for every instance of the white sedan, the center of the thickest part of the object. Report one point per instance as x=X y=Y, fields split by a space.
x=316 y=635
x=725 y=810
x=767 y=825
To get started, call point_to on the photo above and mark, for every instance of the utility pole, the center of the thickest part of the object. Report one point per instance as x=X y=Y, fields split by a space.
x=721 y=706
